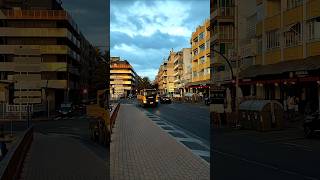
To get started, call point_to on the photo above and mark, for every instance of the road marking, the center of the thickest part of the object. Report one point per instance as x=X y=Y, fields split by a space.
x=201 y=153
x=57 y=118
x=186 y=138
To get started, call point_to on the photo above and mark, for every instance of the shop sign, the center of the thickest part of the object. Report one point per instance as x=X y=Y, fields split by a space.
x=217 y=95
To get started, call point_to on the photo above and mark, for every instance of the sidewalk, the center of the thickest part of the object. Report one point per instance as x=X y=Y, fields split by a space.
x=54 y=157
x=140 y=150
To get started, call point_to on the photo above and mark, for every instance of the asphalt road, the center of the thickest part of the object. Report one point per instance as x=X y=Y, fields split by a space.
x=73 y=129
x=283 y=155
x=193 y=119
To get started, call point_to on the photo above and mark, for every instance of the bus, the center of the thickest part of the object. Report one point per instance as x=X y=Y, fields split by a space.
x=148 y=97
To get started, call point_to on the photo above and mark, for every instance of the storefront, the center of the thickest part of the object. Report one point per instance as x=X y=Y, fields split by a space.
x=299 y=79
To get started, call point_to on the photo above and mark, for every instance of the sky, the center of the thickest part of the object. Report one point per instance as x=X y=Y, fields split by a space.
x=92 y=19
x=144 y=31
x=141 y=31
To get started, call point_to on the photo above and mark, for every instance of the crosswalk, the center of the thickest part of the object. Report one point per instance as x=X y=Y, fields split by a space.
x=191 y=142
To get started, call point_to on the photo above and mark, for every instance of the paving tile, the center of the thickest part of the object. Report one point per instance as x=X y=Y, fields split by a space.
x=142 y=150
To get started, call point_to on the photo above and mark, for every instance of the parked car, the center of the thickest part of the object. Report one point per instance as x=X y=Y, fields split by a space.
x=311 y=124
x=165 y=100
x=80 y=108
x=207 y=101
x=66 y=109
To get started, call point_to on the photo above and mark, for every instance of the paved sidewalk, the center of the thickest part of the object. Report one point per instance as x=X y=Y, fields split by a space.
x=58 y=157
x=140 y=150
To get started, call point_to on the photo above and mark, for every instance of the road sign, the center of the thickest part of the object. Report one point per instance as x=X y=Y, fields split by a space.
x=217 y=95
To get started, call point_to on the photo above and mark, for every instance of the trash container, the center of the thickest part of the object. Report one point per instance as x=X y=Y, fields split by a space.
x=261 y=115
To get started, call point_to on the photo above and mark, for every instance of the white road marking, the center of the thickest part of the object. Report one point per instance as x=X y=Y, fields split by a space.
x=201 y=153
x=188 y=139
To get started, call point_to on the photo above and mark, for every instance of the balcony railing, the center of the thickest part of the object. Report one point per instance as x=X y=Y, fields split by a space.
x=40 y=14
x=223 y=12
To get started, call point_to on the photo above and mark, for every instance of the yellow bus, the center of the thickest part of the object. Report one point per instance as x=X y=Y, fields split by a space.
x=148 y=97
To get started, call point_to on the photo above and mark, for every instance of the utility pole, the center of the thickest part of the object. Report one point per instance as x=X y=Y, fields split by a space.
x=237 y=60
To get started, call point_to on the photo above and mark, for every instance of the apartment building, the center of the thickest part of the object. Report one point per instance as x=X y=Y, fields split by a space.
x=122 y=78
x=40 y=51
x=222 y=17
x=288 y=57
x=186 y=75
x=200 y=45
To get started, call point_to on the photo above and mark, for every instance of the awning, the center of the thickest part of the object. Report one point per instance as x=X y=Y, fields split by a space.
x=312 y=63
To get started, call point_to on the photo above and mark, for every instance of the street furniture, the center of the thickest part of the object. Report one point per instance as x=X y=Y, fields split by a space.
x=261 y=115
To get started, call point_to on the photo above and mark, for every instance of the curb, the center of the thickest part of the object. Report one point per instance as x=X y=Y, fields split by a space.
x=12 y=164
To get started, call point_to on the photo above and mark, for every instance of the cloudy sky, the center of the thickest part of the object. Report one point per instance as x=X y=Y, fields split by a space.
x=144 y=31
x=141 y=31
x=91 y=17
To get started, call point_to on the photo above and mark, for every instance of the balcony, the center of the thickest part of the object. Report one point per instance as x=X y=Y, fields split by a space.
x=313 y=48
x=40 y=15
x=34 y=49
x=223 y=13
x=33 y=32
x=313 y=8
x=178 y=66
x=293 y=15
x=272 y=23
x=294 y=52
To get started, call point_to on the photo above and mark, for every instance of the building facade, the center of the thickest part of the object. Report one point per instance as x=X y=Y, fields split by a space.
x=40 y=51
x=288 y=56
x=200 y=45
x=122 y=78
x=273 y=47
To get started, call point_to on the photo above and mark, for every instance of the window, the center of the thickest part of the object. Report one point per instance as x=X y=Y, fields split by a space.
x=202 y=47
x=292 y=36
x=208 y=44
x=313 y=29
x=294 y=3
x=201 y=36
x=202 y=60
x=272 y=38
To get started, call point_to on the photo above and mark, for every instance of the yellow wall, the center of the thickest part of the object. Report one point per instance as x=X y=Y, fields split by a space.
x=272 y=23
x=313 y=49
x=293 y=15
x=292 y=53
x=273 y=56
x=313 y=9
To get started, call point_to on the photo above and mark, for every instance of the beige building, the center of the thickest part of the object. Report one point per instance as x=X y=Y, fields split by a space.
x=166 y=74
x=122 y=78
x=40 y=50
x=182 y=67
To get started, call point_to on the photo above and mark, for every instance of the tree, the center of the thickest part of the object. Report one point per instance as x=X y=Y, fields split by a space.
x=144 y=83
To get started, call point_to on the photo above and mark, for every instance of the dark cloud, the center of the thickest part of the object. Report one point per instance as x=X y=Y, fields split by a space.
x=157 y=41
x=152 y=49
x=92 y=18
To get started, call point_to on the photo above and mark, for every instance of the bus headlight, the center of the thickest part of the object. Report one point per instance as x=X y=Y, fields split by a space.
x=144 y=101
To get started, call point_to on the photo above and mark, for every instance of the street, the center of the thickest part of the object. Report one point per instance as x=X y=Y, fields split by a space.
x=270 y=155
x=61 y=148
x=187 y=123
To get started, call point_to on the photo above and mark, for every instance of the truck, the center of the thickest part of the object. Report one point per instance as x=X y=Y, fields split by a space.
x=148 y=97
x=99 y=119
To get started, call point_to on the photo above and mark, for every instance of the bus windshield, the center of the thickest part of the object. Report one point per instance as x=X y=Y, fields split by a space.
x=150 y=92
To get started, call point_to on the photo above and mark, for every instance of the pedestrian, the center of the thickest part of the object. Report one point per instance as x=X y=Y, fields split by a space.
x=291 y=107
